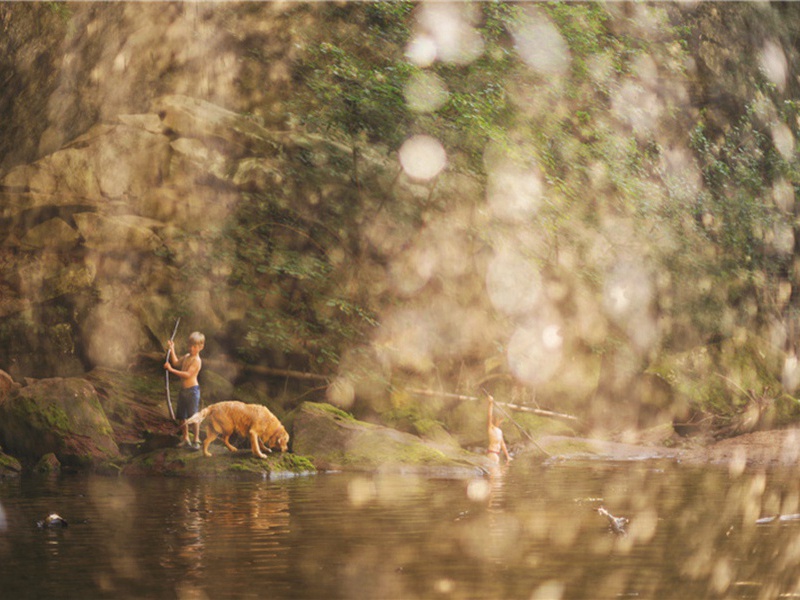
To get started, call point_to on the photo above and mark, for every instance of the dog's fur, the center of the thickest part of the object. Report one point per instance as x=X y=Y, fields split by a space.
x=252 y=421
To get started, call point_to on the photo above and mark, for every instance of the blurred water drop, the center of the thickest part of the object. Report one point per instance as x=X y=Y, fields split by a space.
x=783 y=138
x=452 y=27
x=782 y=239
x=513 y=283
x=773 y=64
x=425 y=92
x=422 y=157
x=406 y=340
x=783 y=195
x=722 y=575
x=637 y=106
x=421 y=51
x=444 y=586
x=361 y=490
x=627 y=298
x=552 y=338
x=540 y=45
x=341 y=393
x=478 y=490
x=790 y=377
x=550 y=590
x=533 y=356
x=514 y=193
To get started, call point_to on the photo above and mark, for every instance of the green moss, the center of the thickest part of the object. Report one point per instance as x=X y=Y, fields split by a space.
x=569 y=447
x=330 y=409
x=245 y=466
x=295 y=463
x=53 y=416
x=9 y=463
x=419 y=454
x=375 y=450
x=291 y=463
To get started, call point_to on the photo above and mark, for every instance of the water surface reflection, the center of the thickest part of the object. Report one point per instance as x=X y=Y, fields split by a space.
x=529 y=532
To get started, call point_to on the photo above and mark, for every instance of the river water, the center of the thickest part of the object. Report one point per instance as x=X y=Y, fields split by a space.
x=530 y=532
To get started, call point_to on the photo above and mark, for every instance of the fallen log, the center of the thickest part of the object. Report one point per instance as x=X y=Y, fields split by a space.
x=519 y=407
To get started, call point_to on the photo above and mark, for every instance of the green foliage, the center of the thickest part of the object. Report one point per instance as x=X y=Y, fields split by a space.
x=354 y=75
x=738 y=170
x=280 y=260
x=60 y=9
x=357 y=88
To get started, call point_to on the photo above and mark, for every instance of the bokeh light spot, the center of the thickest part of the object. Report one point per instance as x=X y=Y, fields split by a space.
x=422 y=157
x=425 y=93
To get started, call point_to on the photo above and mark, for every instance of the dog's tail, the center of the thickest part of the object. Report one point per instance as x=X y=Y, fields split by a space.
x=199 y=416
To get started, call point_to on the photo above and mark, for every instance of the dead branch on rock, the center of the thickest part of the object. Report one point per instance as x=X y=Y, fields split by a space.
x=519 y=407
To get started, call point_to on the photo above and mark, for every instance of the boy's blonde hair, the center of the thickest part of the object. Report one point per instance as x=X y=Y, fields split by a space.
x=196 y=338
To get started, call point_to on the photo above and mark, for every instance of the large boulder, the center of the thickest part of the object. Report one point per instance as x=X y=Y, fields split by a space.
x=334 y=440
x=108 y=161
x=189 y=117
x=117 y=233
x=58 y=415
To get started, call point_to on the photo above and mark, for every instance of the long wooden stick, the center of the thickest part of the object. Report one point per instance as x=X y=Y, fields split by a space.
x=538 y=411
x=523 y=430
x=166 y=372
x=258 y=369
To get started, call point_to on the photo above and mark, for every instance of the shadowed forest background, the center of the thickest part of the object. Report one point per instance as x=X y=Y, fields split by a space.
x=588 y=208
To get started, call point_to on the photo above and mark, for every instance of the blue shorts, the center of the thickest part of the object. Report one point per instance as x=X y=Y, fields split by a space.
x=188 y=402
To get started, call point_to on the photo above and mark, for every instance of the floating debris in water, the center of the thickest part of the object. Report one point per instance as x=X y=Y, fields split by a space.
x=53 y=520
x=616 y=524
x=779 y=518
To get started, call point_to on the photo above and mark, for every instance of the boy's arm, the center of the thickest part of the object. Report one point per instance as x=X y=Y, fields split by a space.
x=505 y=451
x=191 y=366
x=172 y=357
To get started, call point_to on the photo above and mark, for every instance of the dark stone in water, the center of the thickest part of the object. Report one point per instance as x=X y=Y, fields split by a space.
x=53 y=520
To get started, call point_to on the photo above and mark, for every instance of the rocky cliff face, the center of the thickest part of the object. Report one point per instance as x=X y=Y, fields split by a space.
x=128 y=217
x=155 y=140
x=66 y=66
x=113 y=193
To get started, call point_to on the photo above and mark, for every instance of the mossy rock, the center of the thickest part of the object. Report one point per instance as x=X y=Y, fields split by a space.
x=9 y=466
x=573 y=448
x=337 y=441
x=134 y=403
x=49 y=463
x=58 y=415
x=214 y=387
x=185 y=462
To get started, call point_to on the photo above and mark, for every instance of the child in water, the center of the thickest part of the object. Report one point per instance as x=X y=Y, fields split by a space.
x=496 y=441
x=189 y=398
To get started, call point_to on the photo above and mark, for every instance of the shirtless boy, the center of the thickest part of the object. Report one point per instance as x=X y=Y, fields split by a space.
x=496 y=441
x=189 y=398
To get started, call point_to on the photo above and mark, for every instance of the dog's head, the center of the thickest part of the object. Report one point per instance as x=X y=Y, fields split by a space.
x=279 y=439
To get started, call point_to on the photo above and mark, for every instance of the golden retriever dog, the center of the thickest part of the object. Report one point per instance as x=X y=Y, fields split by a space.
x=251 y=421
